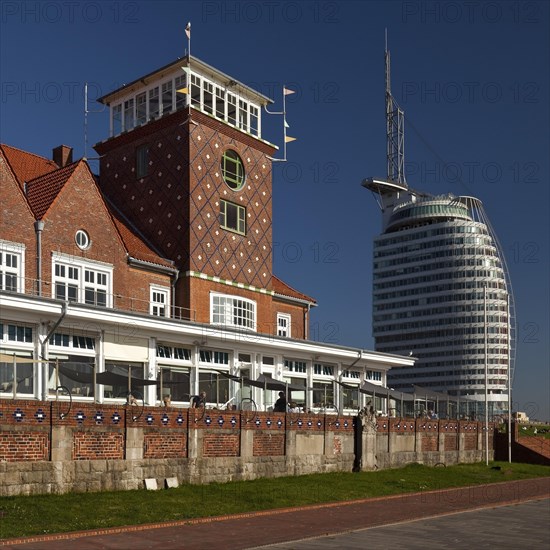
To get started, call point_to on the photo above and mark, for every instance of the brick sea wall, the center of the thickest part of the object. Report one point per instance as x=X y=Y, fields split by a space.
x=49 y=447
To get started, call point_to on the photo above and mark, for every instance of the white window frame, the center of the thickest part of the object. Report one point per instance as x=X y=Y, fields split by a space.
x=127 y=113
x=75 y=270
x=224 y=311
x=16 y=250
x=142 y=108
x=155 y=306
x=240 y=217
x=284 y=329
x=167 y=88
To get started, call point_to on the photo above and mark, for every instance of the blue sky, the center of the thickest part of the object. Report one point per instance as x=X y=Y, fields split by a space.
x=472 y=78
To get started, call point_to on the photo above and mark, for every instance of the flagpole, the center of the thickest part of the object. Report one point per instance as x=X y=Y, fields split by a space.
x=284 y=122
x=188 y=33
x=188 y=75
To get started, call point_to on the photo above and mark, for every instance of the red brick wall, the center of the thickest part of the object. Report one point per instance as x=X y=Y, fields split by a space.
x=23 y=446
x=199 y=302
x=401 y=425
x=429 y=442
x=70 y=213
x=17 y=220
x=95 y=445
x=218 y=444
x=167 y=182
x=243 y=258
x=297 y=319
x=268 y=444
x=165 y=445
x=306 y=422
x=339 y=423
x=470 y=442
x=451 y=442
x=216 y=420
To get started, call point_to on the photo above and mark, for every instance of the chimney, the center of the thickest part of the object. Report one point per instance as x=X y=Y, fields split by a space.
x=62 y=155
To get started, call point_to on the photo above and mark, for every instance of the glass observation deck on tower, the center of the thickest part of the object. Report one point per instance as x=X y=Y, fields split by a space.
x=185 y=83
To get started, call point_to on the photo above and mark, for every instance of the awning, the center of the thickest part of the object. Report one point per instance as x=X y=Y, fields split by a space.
x=231 y=376
x=425 y=393
x=77 y=376
x=382 y=391
x=270 y=384
x=113 y=379
x=369 y=388
x=347 y=386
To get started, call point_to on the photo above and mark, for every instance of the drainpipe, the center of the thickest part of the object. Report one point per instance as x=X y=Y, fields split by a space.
x=38 y=227
x=52 y=330
x=175 y=279
x=43 y=351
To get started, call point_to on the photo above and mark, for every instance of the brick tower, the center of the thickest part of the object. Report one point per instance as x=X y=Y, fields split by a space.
x=186 y=164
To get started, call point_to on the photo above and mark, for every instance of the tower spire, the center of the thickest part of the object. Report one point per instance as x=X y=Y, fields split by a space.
x=395 y=128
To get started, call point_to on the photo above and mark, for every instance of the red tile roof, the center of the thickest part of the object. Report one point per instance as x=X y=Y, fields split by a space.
x=26 y=166
x=283 y=289
x=135 y=246
x=42 y=191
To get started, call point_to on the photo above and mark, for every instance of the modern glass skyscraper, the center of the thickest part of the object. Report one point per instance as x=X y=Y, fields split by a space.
x=441 y=292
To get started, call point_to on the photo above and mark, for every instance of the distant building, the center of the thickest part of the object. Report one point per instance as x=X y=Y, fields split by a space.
x=440 y=289
x=520 y=416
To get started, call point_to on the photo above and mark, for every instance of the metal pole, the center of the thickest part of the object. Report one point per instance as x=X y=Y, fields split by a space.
x=486 y=369
x=509 y=384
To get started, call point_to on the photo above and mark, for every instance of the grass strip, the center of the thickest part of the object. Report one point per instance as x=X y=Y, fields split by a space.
x=46 y=514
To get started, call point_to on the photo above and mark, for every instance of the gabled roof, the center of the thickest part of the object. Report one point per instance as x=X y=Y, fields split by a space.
x=282 y=289
x=26 y=166
x=43 y=190
x=135 y=245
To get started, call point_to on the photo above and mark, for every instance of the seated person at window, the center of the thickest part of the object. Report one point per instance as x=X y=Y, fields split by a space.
x=197 y=400
x=280 y=404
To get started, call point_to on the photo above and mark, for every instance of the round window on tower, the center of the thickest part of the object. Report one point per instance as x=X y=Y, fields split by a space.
x=233 y=170
x=82 y=239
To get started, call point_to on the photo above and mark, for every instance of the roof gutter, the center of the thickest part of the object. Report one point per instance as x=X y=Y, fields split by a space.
x=142 y=264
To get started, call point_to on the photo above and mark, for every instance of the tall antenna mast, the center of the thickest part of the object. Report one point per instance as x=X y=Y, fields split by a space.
x=395 y=128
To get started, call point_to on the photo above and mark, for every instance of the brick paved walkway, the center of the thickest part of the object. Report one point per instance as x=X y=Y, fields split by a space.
x=242 y=531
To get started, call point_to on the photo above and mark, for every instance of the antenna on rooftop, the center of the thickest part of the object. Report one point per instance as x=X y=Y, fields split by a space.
x=86 y=111
x=395 y=128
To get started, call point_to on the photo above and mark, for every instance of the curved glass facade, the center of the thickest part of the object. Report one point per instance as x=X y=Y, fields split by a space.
x=440 y=294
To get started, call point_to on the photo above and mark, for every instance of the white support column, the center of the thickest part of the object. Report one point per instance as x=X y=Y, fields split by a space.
x=40 y=370
x=194 y=378
x=309 y=383
x=150 y=392
x=99 y=389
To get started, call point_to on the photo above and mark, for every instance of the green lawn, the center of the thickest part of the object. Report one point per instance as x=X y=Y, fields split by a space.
x=542 y=430
x=35 y=515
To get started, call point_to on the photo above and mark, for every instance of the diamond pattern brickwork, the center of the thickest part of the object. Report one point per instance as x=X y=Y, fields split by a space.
x=157 y=204
x=216 y=251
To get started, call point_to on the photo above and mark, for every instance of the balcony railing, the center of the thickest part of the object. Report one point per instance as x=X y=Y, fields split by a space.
x=116 y=301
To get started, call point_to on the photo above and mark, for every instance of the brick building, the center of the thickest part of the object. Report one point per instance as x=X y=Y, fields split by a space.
x=159 y=271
